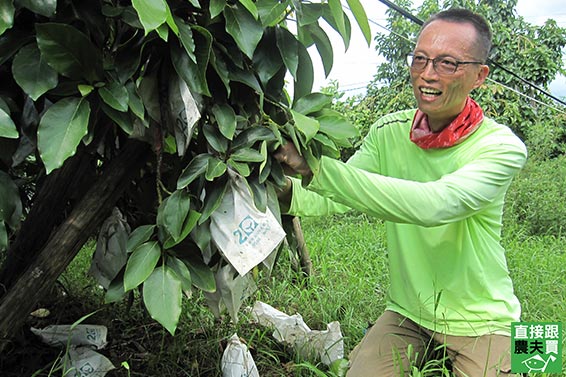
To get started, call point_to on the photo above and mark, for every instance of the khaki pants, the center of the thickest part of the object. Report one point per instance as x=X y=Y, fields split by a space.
x=394 y=344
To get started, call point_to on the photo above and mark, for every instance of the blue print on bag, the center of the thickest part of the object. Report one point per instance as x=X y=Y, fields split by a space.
x=245 y=229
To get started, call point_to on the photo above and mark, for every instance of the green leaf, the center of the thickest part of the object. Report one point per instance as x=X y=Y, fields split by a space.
x=360 y=15
x=201 y=275
x=307 y=126
x=250 y=135
x=32 y=73
x=3 y=237
x=305 y=74
x=244 y=28
x=336 y=126
x=141 y=264
x=247 y=155
x=134 y=100
x=339 y=20
x=140 y=235
x=323 y=46
x=216 y=7
x=123 y=120
x=182 y=272
x=226 y=119
x=162 y=297
x=218 y=142
x=60 y=131
x=267 y=60
x=7 y=126
x=194 y=169
x=188 y=226
x=271 y=12
x=85 y=90
x=251 y=7
x=259 y=194
x=173 y=211
x=312 y=103
x=115 y=291
x=69 y=51
x=46 y=8
x=215 y=169
x=115 y=95
x=309 y=13
x=289 y=49
x=186 y=37
x=7 y=11
x=152 y=13
x=242 y=168
x=194 y=74
x=212 y=200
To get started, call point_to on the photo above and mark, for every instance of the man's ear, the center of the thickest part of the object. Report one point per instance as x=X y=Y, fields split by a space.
x=482 y=75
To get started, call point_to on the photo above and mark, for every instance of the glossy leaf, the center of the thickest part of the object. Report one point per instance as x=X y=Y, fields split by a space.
x=307 y=126
x=323 y=46
x=188 y=226
x=115 y=95
x=242 y=168
x=141 y=264
x=173 y=211
x=212 y=200
x=122 y=119
x=201 y=275
x=361 y=17
x=60 y=131
x=251 y=7
x=312 y=103
x=194 y=74
x=32 y=73
x=215 y=169
x=249 y=136
x=289 y=49
x=271 y=12
x=333 y=124
x=69 y=51
x=182 y=272
x=140 y=235
x=152 y=13
x=45 y=8
x=7 y=11
x=247 y=155
x=134 y=101
x=244 y=28
x=213 y=136
x=7 y=126
x=226 y=119
x=162 y=297
x=216 y=7
x=194 y=169
x=339 y=20
x=305 y=74
x=186 y=37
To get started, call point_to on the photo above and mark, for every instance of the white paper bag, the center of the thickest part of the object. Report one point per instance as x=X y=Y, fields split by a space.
x=244 y=234
x=237 y=361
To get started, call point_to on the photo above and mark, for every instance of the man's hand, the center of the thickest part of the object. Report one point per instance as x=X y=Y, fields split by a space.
x=293 y=163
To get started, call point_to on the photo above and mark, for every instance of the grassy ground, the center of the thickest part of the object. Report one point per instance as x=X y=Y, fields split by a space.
x=347 y=284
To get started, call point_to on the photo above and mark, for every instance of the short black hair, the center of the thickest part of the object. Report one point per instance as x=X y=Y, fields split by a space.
x=463 y=16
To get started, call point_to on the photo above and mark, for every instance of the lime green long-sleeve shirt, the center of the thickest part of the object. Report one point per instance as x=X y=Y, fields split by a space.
x=443 y=212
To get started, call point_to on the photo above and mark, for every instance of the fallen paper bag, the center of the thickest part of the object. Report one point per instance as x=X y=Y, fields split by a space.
x=327 y=345
x=245 y=235
x=78 y=335
x=84 y=362
x=237 y=360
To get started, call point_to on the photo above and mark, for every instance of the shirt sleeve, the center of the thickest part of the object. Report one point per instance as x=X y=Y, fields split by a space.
x=451 y=198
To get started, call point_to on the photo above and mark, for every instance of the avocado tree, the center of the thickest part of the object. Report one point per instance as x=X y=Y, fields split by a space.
x=125 y=121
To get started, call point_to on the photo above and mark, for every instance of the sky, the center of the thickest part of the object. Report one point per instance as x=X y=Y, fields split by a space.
x=355 y=68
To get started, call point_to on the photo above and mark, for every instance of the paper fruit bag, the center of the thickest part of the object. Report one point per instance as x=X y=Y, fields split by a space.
x=244 y=234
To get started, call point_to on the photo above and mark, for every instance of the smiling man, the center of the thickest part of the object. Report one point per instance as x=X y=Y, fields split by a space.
x=438 y=176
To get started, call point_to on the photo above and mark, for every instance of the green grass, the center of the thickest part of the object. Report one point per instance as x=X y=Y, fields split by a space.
x=348 y=284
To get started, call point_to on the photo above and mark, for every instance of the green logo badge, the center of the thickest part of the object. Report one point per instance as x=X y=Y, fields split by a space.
x=536 y=347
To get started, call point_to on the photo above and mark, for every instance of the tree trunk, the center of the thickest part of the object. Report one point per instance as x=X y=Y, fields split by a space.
x=67 y=240
x=47 y=213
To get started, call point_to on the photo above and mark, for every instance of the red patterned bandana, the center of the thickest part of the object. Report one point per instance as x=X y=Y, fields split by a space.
x=463 y=126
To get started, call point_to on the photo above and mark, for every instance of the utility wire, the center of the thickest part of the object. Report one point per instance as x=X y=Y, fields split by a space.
x=420 y=22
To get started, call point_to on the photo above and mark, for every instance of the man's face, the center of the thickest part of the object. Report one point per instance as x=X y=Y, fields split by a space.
x=442 y=97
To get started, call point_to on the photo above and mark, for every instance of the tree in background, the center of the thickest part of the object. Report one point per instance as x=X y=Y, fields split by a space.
x=535 y=53
x=124 y=120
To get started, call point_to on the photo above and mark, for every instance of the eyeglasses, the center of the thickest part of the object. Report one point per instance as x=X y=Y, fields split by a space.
x=443 y=65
